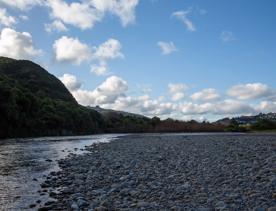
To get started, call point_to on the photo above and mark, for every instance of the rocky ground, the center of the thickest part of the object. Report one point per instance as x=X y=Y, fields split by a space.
x=169 y=172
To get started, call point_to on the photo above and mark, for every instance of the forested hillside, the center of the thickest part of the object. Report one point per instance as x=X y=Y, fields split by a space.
x=35 y=103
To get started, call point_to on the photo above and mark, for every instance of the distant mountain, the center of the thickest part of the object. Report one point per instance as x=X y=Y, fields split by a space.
x=106 y=112
x=224 y=121
x=256 y=118
x=248 y=120
x=260 y=122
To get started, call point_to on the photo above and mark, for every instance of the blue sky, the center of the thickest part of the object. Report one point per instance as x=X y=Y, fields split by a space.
x=172 y=58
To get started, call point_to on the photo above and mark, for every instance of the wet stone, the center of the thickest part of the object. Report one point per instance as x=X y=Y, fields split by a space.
x=169 y=172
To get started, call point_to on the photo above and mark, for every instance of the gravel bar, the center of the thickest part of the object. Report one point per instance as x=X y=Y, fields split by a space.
x=168 y=172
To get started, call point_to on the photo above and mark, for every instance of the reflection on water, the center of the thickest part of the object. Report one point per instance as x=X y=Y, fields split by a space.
x=24 y=164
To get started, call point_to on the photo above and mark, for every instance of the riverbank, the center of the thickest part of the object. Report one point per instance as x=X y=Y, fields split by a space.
x=25 y=164
x=176 y=172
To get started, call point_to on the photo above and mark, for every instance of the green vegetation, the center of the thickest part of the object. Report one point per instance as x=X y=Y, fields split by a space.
x=264 y=125
x=234 y=126
x=34 y=79
x=35 y=103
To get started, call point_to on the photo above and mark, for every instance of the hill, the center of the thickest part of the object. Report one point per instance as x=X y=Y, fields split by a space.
x=34 y=78
x=256 y=118
x=250 y=123
x=35 y=103
x=106 y=112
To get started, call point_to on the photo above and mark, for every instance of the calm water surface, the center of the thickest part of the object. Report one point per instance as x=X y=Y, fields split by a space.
x=24 y=164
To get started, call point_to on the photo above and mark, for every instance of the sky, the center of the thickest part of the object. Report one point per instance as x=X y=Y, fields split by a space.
x=182 y=59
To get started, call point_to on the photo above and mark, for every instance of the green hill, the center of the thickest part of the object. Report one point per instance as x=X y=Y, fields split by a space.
x=35 y=103
x=34 y=78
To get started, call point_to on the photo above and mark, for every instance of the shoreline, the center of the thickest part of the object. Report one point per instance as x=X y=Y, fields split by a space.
x=182 y=172
x=88 y=136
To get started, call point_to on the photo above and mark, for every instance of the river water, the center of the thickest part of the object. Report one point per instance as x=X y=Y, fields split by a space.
x=25 y=164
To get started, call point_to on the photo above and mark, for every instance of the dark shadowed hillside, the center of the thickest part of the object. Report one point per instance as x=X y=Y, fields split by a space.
x=35 y=103
x=34 y=78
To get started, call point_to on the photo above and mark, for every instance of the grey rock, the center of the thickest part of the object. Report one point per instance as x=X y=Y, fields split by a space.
x=82 y=203
x=220 y=205
x=142 y=204
x=74 y=206
x=163 y=172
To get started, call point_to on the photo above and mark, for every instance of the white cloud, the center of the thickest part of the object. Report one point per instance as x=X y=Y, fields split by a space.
x=187 y=110
x=124 y=9
x=178 y=96
x=227 y=36
x=99 y=69
x=112 y=94
x=56 y=25
x=206 y=95
x=113 y=85
x=235 y=107
x=272 y=96
x=226 y=107
x=18 y=45
x=249 y=91
x=177 y=91
x=179 y=87
x=86 y=13
x=167 y=47
x=22 y=4
x=24 y=17
x=71 y=82
x=71 y=50
x=143 y=105
x=77 y=14
x=182 y=16
x=6 y=19
x=144 y=88
x=111 y=49
x=190 y=108
x=106 y=93
x=266 y=107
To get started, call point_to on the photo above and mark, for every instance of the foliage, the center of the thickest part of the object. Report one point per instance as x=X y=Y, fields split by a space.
x=35 y=103
x=264 y=124
x=34 y=78
x=234 y=126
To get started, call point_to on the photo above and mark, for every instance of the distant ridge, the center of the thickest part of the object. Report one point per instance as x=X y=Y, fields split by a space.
x=256 y=118
x=248 y=120
x=108 y=111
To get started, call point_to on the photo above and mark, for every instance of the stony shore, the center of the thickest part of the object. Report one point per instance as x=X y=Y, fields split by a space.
x=168 y=172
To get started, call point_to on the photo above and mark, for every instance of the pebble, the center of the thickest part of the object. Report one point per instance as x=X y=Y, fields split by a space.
x=32 y=205
x=169 y=172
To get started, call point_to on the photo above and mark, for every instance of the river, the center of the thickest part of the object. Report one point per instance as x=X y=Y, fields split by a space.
x=25 y=164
